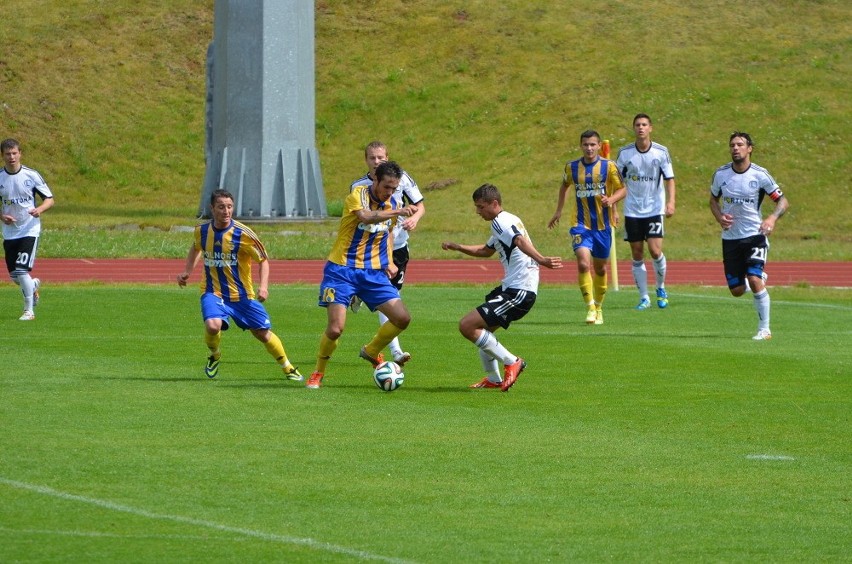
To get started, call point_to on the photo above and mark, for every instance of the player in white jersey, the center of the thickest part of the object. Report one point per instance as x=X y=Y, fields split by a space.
x=407 y=194
x=736 y=194
x=515 y=296
x=646 y=168
x=19 y=187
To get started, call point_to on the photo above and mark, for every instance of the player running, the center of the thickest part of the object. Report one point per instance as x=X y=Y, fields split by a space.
x=736 y=194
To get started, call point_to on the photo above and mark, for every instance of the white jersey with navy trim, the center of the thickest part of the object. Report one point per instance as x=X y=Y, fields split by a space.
x=643 y=175
x=741 y=194
x=18 y=193
x=521 y=271
x=406 y=193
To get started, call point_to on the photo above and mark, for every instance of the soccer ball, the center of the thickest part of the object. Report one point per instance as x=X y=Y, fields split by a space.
x=388 y=376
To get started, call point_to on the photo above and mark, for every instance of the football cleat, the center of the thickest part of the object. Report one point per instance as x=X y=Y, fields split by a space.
x=315 y=381
x=292 y=373
x=36 y=295
x=380 y=358
x=591 y=316
x=355 y=304
x=28 y=315
x=763 y=335
x=485 y=383
x=644 y=303
x=511 y=373
x=662 y=298
x=212 y=368
x=599 y=317
x=402 y=358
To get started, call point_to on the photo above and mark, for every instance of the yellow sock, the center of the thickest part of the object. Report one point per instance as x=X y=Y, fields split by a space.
x=585 y=280
x=387 y=332
x=326 y=349
x=212 y=342
x=275 y=347
x=599 y=288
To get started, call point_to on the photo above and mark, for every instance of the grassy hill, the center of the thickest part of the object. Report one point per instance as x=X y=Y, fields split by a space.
x=108 y=100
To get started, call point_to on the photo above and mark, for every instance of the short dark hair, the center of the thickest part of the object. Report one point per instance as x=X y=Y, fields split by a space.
x=488 y=193
x=220 y=193
x=742 y=134
x=589 y=133
x=9 y=144
x=388 y=168
x=640 y=116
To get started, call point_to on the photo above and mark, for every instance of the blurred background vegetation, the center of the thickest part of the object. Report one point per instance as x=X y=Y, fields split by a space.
x=107 y=99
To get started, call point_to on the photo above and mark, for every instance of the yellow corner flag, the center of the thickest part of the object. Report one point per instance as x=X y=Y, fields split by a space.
x=613 y=260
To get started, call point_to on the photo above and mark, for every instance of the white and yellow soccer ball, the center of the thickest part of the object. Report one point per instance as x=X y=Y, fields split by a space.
x=388 y=376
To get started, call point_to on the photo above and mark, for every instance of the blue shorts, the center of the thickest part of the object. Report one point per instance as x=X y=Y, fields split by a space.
x=340 y=283
x=599 y=242
x=247 y=314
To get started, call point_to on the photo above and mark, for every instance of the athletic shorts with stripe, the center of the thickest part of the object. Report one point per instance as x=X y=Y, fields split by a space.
x=502 y=307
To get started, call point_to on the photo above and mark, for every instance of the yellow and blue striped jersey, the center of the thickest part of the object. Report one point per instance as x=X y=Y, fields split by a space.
x=363 y=245
x=589 y=182
x=227 y=255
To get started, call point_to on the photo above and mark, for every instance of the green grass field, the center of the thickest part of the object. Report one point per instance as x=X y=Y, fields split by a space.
x=665 y=435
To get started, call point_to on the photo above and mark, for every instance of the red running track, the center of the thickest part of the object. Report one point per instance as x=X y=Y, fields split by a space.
x=488 y=271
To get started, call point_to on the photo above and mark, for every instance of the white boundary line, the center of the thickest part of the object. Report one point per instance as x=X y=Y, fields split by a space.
x=271 y=537
x=769 y=457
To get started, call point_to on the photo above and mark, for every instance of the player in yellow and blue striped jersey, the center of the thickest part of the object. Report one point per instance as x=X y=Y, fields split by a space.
x=593 y=182
x=228 y=249
x=360 y=264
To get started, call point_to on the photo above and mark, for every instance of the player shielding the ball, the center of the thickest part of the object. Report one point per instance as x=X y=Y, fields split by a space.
x=360 y=264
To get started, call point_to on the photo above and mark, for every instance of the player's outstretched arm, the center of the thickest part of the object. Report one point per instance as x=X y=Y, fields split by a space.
x=470 y=250
x=529 y=249
x=377 y=216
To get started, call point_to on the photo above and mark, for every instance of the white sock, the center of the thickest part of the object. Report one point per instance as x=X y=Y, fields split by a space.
x=491 y=367
x=25 y=281
x=640 y=276
x=761 y=304
x=660 y=271
x=489 y=343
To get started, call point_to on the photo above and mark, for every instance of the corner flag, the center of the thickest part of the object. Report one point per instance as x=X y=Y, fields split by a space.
x=613 y=261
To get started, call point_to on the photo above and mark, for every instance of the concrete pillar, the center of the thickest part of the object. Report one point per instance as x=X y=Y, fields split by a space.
x=261 y=110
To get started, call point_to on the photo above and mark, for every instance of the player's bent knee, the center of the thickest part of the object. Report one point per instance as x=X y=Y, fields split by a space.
x=262 y=335
x=402 y=321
